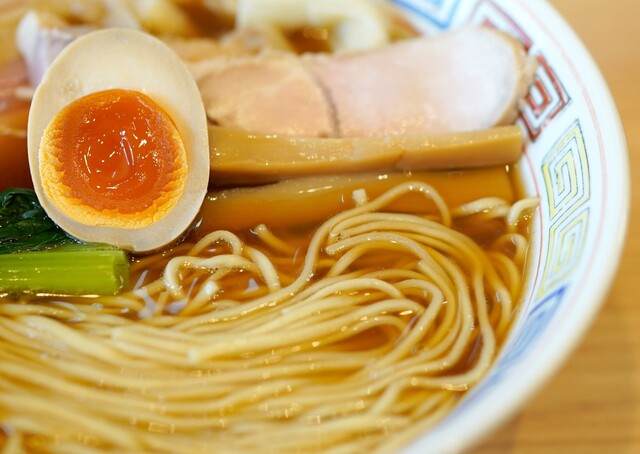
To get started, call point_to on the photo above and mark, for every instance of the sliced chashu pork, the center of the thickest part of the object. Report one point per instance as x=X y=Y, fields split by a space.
x=458 y=81
x=461 y=80
x=271 y=93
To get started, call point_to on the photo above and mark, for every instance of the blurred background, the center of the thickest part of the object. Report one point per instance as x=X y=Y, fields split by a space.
x=593 y=404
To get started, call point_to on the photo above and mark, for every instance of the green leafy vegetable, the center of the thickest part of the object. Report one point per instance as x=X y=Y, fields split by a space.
x=37 y=256
x=24 y=225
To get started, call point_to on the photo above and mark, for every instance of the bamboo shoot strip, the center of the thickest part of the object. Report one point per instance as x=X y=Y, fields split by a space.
x=240 y=157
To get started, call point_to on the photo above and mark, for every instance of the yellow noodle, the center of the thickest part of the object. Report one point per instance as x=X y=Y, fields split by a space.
x=273 y=241
x=358 y=345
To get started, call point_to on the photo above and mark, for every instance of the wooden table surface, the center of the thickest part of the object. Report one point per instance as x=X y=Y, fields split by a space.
x=592 y=405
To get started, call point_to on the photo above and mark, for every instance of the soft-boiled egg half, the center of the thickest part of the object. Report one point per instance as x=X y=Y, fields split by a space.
x=118 y=145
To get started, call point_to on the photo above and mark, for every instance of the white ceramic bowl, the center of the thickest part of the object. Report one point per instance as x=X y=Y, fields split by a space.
x=576 y=162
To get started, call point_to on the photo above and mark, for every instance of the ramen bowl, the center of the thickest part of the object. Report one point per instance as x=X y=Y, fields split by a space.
x=576 y=163
x=200 y=358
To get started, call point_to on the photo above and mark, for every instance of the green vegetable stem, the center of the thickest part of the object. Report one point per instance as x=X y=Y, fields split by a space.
x=74 y=270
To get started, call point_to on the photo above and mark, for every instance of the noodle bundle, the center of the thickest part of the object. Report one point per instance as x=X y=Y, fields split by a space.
x=356 y=339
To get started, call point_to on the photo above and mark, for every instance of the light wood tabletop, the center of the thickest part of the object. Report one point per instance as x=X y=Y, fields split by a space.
x=592 y=405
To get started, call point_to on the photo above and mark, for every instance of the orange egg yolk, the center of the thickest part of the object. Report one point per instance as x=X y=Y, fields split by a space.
x=113 y=158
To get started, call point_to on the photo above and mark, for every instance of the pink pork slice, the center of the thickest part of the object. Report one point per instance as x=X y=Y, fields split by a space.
x=462 y=80
x=271 y=93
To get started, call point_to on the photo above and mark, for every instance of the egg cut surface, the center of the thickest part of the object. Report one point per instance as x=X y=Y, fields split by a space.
x=118 y=145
